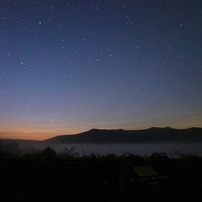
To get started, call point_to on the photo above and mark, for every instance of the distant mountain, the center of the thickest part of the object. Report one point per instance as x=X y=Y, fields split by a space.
x=151 y=135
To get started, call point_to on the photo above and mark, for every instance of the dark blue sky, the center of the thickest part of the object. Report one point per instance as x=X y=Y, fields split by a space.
x=69 y=66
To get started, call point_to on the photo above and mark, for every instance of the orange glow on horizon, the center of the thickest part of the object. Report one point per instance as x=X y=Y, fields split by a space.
x=33 y=135
x=44 y=131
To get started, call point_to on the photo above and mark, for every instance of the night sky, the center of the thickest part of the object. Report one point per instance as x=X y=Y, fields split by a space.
x=70 y=66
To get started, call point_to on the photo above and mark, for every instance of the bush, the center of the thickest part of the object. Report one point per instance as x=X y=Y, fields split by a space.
x=48 y=153
x=69 y=153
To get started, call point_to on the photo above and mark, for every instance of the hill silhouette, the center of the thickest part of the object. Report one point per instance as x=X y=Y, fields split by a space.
x=151 y=135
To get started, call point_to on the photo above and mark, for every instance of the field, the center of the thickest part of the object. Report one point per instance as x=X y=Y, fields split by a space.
x=101 y=178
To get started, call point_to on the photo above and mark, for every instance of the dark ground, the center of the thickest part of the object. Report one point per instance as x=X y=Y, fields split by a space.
x=94 y=179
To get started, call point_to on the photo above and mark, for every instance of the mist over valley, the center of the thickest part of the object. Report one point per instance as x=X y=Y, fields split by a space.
x=119 y=142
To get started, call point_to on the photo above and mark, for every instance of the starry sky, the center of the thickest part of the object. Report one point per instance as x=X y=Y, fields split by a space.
x=67 y=66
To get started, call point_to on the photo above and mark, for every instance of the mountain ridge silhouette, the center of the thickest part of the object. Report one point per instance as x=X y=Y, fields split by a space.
x=151 y=135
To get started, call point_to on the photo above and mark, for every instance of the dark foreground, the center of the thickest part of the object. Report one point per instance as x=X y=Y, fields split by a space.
x=91 y=179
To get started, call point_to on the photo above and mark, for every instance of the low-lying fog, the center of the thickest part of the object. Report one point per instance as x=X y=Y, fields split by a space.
x=118 y=149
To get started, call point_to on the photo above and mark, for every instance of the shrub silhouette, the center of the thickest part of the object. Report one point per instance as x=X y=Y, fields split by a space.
x=69 y=153
x=48 y=153
x=9 y=149
x=161 y=155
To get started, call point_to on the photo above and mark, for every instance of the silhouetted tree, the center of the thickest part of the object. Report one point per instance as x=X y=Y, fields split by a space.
x=69 y=153
x=49 y=153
